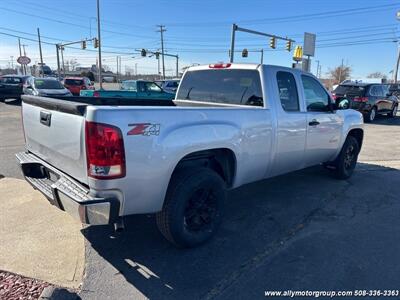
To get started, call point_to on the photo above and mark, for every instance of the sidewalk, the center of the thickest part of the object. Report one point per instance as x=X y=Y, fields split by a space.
x=38 y=240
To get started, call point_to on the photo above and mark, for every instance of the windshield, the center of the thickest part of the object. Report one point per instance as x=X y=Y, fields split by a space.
x=222 y=86
x=49 y=84
x=128 y=85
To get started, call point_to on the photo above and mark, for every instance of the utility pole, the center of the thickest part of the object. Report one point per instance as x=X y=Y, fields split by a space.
x=136 y=69
x=40 y=52
x=117 y=67
x=177 y=66
x=20 y=54
x=58 y=61
x=232 y=52
x=262 y=56
x=162 y=30
x=99 y=39
x=317 y=68
x=62 y=60
x=396 y=69
x=25 y=66
x=340 y=72
x=158 y=67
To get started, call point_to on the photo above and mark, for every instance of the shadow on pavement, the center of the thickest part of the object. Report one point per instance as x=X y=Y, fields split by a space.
x=261 y=220
x=384 y=120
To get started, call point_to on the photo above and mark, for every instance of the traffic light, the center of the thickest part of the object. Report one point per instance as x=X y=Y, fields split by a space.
x=245 y=53
x=83 y=45
x=157 y=55
x=95 y=43
x=143 y=52
x=272 y=42
x=288 y=46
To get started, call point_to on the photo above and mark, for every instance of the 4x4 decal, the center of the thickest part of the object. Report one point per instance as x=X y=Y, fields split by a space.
x=145 y=129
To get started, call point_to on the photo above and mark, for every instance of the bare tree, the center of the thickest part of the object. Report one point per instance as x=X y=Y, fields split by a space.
x=339 y=74
x=73 y=63
x=376 y=75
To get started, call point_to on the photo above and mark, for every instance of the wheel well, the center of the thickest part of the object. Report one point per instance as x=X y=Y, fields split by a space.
x=221 y=160
x=358 y=134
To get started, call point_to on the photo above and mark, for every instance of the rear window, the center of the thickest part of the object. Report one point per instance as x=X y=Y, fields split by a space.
x=349 y=89
x=48 y=84
x=11 y=80
x=73 y=81
x=222 y=86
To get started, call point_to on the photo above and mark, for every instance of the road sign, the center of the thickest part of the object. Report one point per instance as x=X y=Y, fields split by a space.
x=309 y=44
x=298 y=53
x=24 y=60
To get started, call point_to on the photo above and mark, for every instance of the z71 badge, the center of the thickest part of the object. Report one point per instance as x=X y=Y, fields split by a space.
x=145 y=129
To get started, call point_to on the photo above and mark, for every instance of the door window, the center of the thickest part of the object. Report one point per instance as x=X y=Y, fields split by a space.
x=376 y=90
x=287 y=91
x=317 y=99
x=152 y=87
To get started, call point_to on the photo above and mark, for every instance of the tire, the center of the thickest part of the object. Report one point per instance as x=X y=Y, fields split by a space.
x=346 y=161
x=393 y=113
x=193 y=207
x=371 y=115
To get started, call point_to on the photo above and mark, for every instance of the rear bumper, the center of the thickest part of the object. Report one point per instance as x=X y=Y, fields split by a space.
x=66 y=193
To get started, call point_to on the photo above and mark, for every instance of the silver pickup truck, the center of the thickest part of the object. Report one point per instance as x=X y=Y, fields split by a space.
x=230 y=124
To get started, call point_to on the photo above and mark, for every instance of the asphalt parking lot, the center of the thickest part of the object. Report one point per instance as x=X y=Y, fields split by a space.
x=301 y=231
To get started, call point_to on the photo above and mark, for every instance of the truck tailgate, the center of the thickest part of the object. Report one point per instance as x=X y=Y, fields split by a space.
x=54 y=131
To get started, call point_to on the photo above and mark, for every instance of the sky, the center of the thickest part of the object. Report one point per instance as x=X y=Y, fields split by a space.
x=362 y=33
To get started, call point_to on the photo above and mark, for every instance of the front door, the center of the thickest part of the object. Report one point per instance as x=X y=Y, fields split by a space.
x=324 y=127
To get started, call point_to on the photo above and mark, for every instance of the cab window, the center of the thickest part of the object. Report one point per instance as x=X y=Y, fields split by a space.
x=317 y=99
x=152 y=87
x=287 y=91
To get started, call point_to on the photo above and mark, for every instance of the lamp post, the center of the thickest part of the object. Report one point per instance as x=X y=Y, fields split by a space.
x=99 y=39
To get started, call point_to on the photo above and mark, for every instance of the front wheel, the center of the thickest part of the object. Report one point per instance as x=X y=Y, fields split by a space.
x=345 y=163
x=192 y=210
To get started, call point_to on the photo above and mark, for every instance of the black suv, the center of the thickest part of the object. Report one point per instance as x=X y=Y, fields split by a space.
x=368 y=98
x=11 y=86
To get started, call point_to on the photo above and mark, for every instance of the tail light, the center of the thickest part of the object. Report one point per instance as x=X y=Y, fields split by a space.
x=219 y=66
x=96 y=94
x=360 y=99
x=105 y=152
x=83 y=87
x=334 y=97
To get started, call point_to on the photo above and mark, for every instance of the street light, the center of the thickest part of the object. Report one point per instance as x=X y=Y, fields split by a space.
x=99 y=41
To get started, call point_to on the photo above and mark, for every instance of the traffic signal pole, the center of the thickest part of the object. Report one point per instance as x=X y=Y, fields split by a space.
x=237 y=28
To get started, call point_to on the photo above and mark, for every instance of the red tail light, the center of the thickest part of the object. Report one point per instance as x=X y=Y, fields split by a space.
x=219 y=66
x=360 y=99
x=96 y=94
x=334 y=97
x=105 y=152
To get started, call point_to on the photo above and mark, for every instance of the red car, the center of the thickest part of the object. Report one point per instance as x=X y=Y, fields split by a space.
x=76 y=84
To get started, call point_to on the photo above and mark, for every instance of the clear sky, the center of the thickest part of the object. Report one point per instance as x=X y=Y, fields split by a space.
x=199 y=31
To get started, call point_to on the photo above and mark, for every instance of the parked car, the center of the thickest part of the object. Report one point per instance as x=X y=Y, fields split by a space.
x=370 y=99
x=169 y=85
x=11 y=86
x=178 y=158
x=139 y=89
x=76 y=84
x=45 y=87
x=394 y=88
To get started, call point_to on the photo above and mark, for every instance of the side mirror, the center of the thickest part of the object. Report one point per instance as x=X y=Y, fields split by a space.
x=389 y=94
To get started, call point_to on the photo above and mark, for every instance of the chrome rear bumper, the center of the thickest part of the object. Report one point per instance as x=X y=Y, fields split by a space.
x=66 y=193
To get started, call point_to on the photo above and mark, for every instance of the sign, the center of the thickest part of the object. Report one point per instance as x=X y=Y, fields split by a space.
x=298 y=53
x=398 y=15
x=309 y=44
x=24 y=60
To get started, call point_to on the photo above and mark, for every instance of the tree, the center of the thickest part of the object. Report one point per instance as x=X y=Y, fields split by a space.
x=339 y=74
x=376 y=75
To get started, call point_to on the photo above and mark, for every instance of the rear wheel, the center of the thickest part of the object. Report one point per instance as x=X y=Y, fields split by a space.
x=345 y=163
x=192 y=210
x=371 y=115
x=393 y=113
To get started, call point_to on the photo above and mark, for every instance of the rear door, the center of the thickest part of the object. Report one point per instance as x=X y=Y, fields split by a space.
x=324 y=127
x=291 y=127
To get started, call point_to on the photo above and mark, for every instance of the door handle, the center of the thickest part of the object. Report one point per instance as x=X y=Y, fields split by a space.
x=313 y=123
x=45 y=118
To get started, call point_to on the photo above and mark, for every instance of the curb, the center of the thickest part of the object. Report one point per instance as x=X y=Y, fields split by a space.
x=54 y=293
